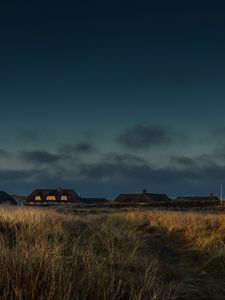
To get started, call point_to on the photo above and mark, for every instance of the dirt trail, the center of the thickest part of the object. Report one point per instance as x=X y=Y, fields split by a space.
x=187 y=265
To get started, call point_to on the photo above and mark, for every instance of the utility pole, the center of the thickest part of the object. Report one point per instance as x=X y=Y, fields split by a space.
x=221 y=193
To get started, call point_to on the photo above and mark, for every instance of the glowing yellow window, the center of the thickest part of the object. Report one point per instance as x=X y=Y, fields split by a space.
x=64 y=198
x=51 y=198
x=38 y=198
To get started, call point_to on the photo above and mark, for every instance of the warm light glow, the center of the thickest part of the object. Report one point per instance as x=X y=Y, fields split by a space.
x=38 y=198
x=64 y=198
x=51 y=198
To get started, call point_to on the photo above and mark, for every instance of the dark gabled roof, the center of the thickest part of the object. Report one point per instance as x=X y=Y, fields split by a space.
x=58 y=193
x=197 y=198
x=126 y=198
x=7 y=199
x=142 y=198
x=93 y=200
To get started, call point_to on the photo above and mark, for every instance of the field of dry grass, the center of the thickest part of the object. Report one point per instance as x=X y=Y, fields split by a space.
x=154 y=255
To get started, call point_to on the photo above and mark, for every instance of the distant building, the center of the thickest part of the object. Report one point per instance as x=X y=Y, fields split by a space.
x=93 y=200
x=143 y=197
x=7 y=199
x=198 y=200
x=19 y=199
x=52 y=196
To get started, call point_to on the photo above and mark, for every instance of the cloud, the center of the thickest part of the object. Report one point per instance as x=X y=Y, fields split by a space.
x=4 y=153
x=116 y=172
x=219 y=152
x=112 y=166
x=78 y=148
x=197 y=163
x=182 y=173
x=126 y=158
x=174 y=180
x=41 y=157
x=142 y=137
x=109 y=171
x=115 y=167
x=15 y=175
x=183 y=161
x=19 y=175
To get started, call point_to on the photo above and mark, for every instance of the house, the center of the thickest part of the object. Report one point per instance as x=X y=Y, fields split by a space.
x=52 y=196
x=197 y=200
x=19 y=199
x=93 y=200
x=144 y=197
x=7 y=199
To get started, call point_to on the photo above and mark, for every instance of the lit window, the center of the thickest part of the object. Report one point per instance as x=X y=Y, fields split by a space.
x=38 y=198
x=64 y=198
x=51 y=198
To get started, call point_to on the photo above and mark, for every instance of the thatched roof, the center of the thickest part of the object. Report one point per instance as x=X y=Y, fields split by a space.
x=7 y=199
x=142 y=198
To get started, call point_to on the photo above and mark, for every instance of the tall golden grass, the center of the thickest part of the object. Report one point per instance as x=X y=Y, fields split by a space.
x=49 y=255
x=202 y=231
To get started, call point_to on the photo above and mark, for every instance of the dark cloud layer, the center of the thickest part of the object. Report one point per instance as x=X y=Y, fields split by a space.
x=183 y=161
x=125 y=158
x=114 y=171
x=142 y=137
x=11 y=175
x=78 y=148
x=74 y=165
x=4 y=153
x=40 y=157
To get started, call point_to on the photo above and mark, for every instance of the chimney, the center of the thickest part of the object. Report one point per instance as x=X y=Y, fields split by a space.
x=211 y=195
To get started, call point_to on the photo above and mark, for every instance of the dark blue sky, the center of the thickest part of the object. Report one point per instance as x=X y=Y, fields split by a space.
x=107 y=97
